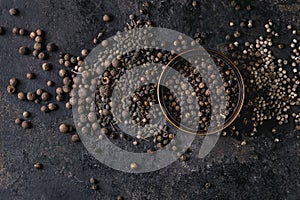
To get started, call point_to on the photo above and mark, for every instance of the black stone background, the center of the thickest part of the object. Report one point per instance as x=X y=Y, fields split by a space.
x=260 y=170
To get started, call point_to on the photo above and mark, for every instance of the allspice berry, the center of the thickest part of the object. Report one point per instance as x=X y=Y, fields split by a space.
x=23 y=50
x=75 y=138
x=11 y=89
x=26 y=114
x=46 y=66
x=38 y=166
x=2 y=30
x=32 y=35
x=13 y=11
x=52 y=106
x=15 y=30
x=39 y=32
x=50 y=83
x=18 y=121
x=63 y=128
x=21 y=96
x=31 y=96
x=44 y=109
x=84 y=52
x=51 y=47
x=30 y=76
x=25 y=124
x=106 y=18
x=62 y=73
x=45 y=96
x=13 y=82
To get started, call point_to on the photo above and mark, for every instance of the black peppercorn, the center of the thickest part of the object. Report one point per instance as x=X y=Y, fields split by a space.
x=13 y=82
x=39 y=92
x=26 y=114
x=31 y=96
x=11 y=89
x=25 y=124
x=42 y=56
x=44 y=108
x=46 y=66
x=60 y=98
x=63 y=128
x=75 y=138
x=30 y=76
x=13 y=11
x=38 y=166
x=45 y=96
x=84 y=52
x=18 y=121
x=50 y=83
x=32 y=35
x=35 y=53
x=37 y=46
x=2 y=30
x=38 y=39
x=39 y=32
x=93 y=181
x=52 y=106
x=23 y=50
x=22 y=31
x=21 y=96
x=51 y=47
x=62 y=73
x=15 y=30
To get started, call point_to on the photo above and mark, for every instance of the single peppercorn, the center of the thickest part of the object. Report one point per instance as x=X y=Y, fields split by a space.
x=39 y=32
x=2 y=30
x=63 y=128
x=52 y=106
x=106 y=18
x=39 y=92
x=44 y=108
x=68 y=105
x=38 y=39
x=133 y=166
x=35 y=53
x=84 y=52
x=21 y=96
x=26 y=114
x=13 y=11
x=104 y=131
x=18 y=121
x=23 y=50
x=67 y=56
x=31 y=96
x=37 y=46
x=15 y=30
x=120 y=198
x=25 y=124
x=22 y=31
x=62 y=73
x=59 y=90
x=67 y=63
x=75 y=138
x=11 y=89
x=42 y=56
x=45 y=96
x=46 y=66
x=60 y=98
x=51 y=47
x=66 y=89
x=38 y=166
x=93 y=181
x=32 y=35
x=50 y=83
x=30 y=76
x=95 y=187
x=13 y=82
x=67 y=81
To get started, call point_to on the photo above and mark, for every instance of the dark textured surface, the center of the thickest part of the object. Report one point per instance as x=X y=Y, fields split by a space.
x=260 y=170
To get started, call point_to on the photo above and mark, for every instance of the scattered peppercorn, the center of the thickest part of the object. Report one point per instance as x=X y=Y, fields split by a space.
x=45 y=96
x=15 y=30
x=95 y=187
x=46 y=66
x=62 y=73
x=31 y=96
x=84 y=52
x=93 y=181
x=120 y=198
x=38 y=39
x=52 y=106
x=133 y=166
x=22 y=31
x=18 y=121
x=44 y=108
x=37 y=46
x=39 y=32
x=63 y=128
x=30 y=76
x=13 y=11
x=50 y=83
x=23 y=50
x=106 y=18
x=38 y=166
x=11 y=89
x=51 y=47
x=26 y=114
x=25 y=124
x=21 y=96
x=13 y=82
x=42 y=56
x=60 y=98
x=2 y=30
x=75 y=138
x=32 y=35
